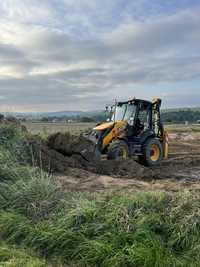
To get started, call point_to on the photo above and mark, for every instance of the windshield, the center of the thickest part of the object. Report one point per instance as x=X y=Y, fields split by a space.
x=123 y=112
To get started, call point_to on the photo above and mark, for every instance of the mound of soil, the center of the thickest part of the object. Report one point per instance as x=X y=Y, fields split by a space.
x=53 y=160
x=123 y=168
x=49 y=159
x=69 y=145
x=72 y=148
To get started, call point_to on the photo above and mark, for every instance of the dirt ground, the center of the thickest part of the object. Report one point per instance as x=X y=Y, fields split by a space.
x=180 y=172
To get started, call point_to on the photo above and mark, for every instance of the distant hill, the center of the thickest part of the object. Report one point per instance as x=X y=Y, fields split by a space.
x=196 y=109
x=179 y=115
x=56 y=114
x=191 y=115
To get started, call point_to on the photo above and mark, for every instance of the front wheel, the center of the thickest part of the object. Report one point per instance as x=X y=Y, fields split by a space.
x=152 y=152
x=118 y=150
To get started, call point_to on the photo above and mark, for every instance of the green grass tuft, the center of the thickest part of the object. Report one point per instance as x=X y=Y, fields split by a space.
x=37 y=197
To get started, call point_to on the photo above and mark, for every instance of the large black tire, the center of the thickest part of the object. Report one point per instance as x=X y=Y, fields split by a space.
x=152 y=152
x=118 y=150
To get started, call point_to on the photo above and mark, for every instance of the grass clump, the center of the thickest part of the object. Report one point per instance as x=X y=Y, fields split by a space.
x=37 y=197
x=12 y=138
x=11 y=256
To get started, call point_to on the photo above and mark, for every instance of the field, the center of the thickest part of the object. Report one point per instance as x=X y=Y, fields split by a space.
x=57 y=210
x=76 y=128
x=53 y=127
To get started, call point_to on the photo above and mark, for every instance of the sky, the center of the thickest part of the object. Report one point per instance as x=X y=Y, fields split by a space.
x=83 y=54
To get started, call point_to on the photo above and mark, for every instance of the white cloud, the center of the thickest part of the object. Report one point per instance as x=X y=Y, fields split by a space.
x=50 y=67
x=27 y=11
x=173 y=34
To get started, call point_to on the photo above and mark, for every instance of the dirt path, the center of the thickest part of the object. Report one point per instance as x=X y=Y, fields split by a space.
x=107 y=183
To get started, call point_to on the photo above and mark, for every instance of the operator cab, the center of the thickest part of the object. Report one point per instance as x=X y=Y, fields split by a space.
x=137 y=113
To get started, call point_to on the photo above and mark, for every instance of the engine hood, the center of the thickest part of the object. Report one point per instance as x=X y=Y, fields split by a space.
x=104 y=126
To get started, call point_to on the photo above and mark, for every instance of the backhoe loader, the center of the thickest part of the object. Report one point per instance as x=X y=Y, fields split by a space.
x=134 y=128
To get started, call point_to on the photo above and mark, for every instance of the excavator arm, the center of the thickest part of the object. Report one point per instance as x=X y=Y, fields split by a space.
x=158 y=125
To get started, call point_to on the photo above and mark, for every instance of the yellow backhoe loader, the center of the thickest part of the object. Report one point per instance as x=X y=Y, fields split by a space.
x=134 y=128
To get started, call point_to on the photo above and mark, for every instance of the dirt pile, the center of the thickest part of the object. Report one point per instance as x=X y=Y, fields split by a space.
x=71 y=148
x=69 y=145
x=49 y=159
x=123 y=168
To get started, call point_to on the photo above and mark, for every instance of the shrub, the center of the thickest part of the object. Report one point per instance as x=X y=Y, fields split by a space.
x=13 y=139
x=36 y=197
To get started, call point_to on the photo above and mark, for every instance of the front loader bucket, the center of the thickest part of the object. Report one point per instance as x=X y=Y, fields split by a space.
x=90 y=152
x=70 y=145
x=91 y=155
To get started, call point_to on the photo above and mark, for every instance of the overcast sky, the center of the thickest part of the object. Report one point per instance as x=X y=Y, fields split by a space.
x=83 y=54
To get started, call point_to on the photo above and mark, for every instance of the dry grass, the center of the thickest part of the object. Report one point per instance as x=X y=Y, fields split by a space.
x=53 y=127
x=46 y=128
x=182 y=128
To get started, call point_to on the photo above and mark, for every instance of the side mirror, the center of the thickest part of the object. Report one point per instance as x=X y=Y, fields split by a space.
x=109 y=109
x=108 y=119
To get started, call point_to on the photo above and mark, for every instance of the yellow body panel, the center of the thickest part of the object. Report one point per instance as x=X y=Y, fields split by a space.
x=166 y=145
x=114 y=133
x=104 y=126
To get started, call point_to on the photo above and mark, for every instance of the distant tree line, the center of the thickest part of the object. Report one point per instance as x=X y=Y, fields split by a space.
x=93 y=118
x=181 y=116
x=168 y=116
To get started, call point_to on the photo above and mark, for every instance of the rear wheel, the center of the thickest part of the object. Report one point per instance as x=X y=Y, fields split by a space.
x=118 y=150
x=152 y=152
